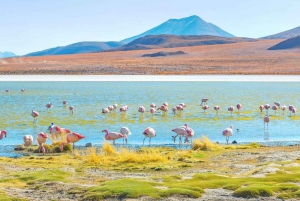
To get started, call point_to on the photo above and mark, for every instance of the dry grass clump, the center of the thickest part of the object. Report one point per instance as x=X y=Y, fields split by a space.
x=205 y=144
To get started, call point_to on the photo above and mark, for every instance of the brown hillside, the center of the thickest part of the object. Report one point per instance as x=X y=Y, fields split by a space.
x=237 y=58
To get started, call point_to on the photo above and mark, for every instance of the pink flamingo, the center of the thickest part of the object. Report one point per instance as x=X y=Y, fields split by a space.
x=261 y=107
x=71 y=138
x=55 y=131
x=152 y=105
x=65 y=103
x=230 y=109
x=114 y=136
x=150 y=133
x=204 y=100
x=165 y=104
x=110 y=108
x=267 y=107
x=180 y=131
x=239 y=106
x=283 y=108
x=189 y=133
x=152 y=110
x=105 y=110
x=179 y=107
x=291 y=109
x=294 y=110
x=275 y=107
x=28 y=139
x=205 y=107
x=3 y=133
x=266 y=120
x=228 y=132
x=34 y=114
x=183 y=104
x=71 y=108
x=174 y=110
x=163 y=108
x=125 y=131
x=141 y=110
x=41 y=139
x=216 y=108
x=48 y=105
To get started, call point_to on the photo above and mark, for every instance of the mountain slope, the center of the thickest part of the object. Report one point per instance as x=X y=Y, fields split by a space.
x=285 y=35
x=170 y=41
x=7 y=54
x=192 y=25
x=291 y=43
x=78 y=48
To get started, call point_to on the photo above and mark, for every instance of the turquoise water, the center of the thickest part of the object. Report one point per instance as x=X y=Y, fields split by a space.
x=88 y=98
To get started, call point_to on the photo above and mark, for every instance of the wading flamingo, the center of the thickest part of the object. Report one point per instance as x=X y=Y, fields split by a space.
x=180 y=131
x=283 y=108
x=267 y=107
x=174 y=110
x=110 y=108
x=105 y=110
x=294 y=110
x=230 y=109
x=189 y=133
x=3 y=133
x=34 y=114
x=57 y=133
x=114 y=136
x=152 y=105
x=152 y=110
x=277 y=104
x=205 y=107
x=239 y=106
x=125 y=131
x=48 y=105
x=41 y=139
x=71 y=138
x=150 y=133
x=65 y=103
x=261 y=108
x=165 y=104
x=183 y=104
x=266 y=120
x=115 y=106
x=228 y=132
x=163 y=108
x=275 y=107
x=28 y=139
x=71 y=108
x=141 y=110
x=204 y=100
x=216 y=108
x=179 y=107
x=291 y=109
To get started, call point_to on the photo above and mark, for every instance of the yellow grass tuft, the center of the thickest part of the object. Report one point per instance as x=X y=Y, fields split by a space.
x=205 y=144
x=108 y=149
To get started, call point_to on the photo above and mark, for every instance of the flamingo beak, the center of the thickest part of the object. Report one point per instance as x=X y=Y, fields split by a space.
x=103 y=131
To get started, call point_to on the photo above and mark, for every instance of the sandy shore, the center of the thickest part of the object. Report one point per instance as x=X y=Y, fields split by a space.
x=233 y=163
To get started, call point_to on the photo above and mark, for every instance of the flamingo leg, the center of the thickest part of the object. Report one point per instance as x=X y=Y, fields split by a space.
x=149 y=141
x=144 y=140
x=174 y=138
x=113 y=142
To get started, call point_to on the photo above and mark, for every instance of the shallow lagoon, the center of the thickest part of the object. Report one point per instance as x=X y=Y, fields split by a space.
x=89 y=98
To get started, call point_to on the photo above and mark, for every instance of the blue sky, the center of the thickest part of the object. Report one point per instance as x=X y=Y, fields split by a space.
x=31 y=25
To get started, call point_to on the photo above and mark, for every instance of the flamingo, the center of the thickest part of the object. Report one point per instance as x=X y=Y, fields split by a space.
x=71 y=138
x=48 y=105
x=267 y=107
x=22 y=90
x=152 y=110
x=152 y=105
x=114 y=136
x=115 y=106
x=71 y=108
x=275 y=107
x=34 y=114
x=150 y=133
x=189 y=133
x=261 y=107
x=183 y=104
x=205 y=107
x=65 y=103
x=277 y=104
x=179 y=107
x=216 y=108
x=239 y=106
x=291 y=109
x=230 y=109
x=28 y=139
x=204 y=100
x=174 y=110
x=125 y=131
x=141 y=110
x=180 y=131
x=165 y=104
x=3 y=133
x=105 y=110
x=283 y=108
x=41 y=139
x=294 y=110
x=110 y=108
x=228 y=132
x=266 y=120
x=163 y=108
x=57 y=132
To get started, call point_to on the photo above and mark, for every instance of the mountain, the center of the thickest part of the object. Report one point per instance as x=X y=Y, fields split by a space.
x=285 y=35
x=291 y=43
x=169 y=41
x=78 y=48
x=7 y=54
x=192 y=25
